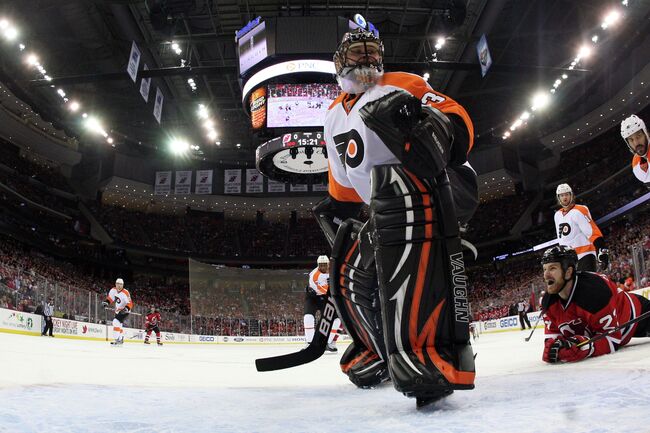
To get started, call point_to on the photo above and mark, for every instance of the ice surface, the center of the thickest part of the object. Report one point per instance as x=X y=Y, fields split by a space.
x=50 y=385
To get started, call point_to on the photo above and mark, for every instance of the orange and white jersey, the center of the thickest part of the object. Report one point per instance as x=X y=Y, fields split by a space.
x=319 y=282
x=640 y=168
x=576 y=229
x=354 y=149
x=121 y=299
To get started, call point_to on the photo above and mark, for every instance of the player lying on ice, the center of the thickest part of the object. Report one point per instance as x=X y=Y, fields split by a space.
x=579 y=306
x=398 y=281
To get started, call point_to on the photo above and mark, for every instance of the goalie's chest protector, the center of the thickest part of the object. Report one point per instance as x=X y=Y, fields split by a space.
x=353 y=149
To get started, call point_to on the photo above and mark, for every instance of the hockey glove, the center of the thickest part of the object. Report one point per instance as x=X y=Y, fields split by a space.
x=104 y=304
x=603 y=258
x=551 y=349
x=126 y=310
x=570 y=352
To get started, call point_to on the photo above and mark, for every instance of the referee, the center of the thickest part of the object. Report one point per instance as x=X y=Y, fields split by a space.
x=48 y=312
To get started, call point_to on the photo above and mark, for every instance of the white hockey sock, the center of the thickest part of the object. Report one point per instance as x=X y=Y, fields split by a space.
x=117 y=329
x=309 y=327
x=334 y=331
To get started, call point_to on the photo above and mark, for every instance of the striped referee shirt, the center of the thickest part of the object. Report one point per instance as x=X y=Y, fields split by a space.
x=48 y=309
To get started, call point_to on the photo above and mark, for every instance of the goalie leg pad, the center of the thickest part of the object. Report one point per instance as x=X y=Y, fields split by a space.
x=353 y=288
x=422 y=283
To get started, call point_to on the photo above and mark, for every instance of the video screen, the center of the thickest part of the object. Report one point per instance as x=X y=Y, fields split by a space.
x=252 y=48
x=299 y=104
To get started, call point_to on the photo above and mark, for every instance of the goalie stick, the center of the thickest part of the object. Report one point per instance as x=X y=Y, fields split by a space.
x=310 y=353
x=618 y=328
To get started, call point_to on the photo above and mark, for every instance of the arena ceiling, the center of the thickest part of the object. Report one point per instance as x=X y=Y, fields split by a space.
x=85 y=46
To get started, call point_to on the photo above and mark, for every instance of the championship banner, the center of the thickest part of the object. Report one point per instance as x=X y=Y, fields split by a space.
x=157 y=108
x=232 y=181
x=145 y=84
x=183 y=183
x=275 y=186
x=254 y=180
x=319 y=187
x=134 y=62
x=163 y=183
x=298 y=188
x=203 y=183
x=484 y=57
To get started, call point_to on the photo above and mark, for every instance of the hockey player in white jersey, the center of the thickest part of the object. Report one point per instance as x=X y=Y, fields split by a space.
x=577 y=230
x=121 y=297
x=635 y=134
x=398 y=281
x=316 y=296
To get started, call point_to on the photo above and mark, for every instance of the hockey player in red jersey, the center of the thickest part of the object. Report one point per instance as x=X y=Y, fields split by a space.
x=152 y=322
x=398 y=281
x=581 y=305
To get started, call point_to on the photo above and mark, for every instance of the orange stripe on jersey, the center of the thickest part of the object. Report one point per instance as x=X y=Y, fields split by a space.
x=418 y=87
x=337 y=101
x=340 y=192
x=585 y=249
x=595 y=231
x=639 y=160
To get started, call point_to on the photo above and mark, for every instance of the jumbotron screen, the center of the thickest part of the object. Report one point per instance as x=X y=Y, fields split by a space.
x=292 y=105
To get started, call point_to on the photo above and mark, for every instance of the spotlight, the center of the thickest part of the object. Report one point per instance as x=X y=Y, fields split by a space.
x=440 y=42
x=32 y=60
x=11 y=33
x=426 y=76
x=74 y=106
x=540 y=101
x=203 y=112
x=584 y=51
x=212 y=134
x=178 y=146
x=610 y=18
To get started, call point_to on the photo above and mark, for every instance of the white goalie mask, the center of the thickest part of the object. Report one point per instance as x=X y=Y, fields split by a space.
x=359 y=61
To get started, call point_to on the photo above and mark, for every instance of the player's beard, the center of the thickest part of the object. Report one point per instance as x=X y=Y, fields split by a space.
x=359 y=79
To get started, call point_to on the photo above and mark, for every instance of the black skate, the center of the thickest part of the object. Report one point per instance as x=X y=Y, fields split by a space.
x=159 y=343
x=146 y=342
x=331 y=348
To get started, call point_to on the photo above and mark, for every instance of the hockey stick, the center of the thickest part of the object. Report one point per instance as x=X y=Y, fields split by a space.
x=541 y=313
x=310 y=353
x=618 y=328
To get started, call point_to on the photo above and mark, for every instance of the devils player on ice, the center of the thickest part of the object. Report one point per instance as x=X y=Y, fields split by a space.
x=152 y=322
x=581 y=305
x=398 y=281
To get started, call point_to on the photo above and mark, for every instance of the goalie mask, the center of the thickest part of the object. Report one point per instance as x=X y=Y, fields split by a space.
x=359 y=61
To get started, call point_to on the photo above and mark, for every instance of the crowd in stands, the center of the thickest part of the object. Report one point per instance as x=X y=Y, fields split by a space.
x=495 y=218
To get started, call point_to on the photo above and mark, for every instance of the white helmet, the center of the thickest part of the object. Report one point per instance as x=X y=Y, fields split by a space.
x=119 y=281
x=323 y=259
x=631 y=125
x=564 y=188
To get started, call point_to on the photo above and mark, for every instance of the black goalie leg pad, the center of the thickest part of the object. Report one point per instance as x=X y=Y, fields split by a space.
x=353 y=288
x=422 y=283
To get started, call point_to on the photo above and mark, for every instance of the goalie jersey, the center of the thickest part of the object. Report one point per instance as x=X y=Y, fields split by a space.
x=354 y=149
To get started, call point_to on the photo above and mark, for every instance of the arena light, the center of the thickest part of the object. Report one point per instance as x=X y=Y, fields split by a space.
x=525 y=115
x=109 y=140
x=594 y=38
x=540 y=101
x=208 y=124
x=583 y=52
x=426 y=76
x=93 y=124
x=60 y=92
x=31 y=59
x=611 y=18
x=73 y=106
x=212 y=134
x=179 y=146
x=440 y=42
x=203 y=112
x=10 y=33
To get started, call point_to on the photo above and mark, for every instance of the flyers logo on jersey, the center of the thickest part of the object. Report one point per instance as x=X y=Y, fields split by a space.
x=350 y=148
x=563 y=230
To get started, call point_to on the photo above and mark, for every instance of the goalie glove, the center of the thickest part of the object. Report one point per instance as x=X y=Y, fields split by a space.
x=603 y=258
x=420 y=136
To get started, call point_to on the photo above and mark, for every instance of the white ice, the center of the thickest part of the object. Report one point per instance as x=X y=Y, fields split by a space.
x=50 y=385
